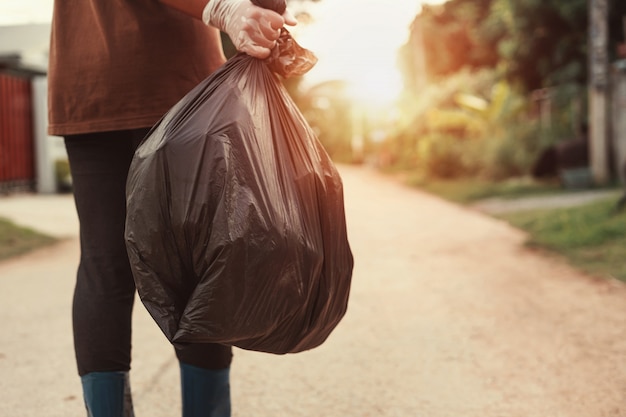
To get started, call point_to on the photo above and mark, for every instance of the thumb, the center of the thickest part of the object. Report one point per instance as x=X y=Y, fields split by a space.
x=289 y=18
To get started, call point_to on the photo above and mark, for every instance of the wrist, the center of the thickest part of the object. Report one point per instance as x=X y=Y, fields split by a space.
x=206 y=12
x=216 y=11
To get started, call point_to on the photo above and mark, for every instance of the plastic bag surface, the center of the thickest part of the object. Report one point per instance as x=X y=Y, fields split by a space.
x=235 y=229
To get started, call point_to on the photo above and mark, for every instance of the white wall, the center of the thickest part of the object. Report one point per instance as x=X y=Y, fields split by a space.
x=48 y=149
x=31 y=41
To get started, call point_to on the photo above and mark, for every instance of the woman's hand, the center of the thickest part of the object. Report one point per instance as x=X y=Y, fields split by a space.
x=252 y=29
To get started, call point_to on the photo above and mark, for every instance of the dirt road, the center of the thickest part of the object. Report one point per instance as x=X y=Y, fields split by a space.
x=450 y=316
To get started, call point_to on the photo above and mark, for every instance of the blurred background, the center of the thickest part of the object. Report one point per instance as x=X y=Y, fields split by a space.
x=468 y=99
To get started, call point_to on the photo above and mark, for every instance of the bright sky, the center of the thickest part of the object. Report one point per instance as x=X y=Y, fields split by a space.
x=17 y=12
x=358 y=40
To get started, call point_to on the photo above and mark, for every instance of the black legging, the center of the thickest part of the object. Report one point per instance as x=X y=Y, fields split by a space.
x=105 y=289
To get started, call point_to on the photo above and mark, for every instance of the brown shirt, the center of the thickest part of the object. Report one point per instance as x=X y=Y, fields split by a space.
x=121 y=64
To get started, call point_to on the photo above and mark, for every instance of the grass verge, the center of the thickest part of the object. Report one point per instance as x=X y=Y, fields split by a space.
x=591 y=236
x=16 y=240
x=471 y=190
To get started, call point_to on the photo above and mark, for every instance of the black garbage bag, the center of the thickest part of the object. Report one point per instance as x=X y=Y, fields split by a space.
x=236 y=230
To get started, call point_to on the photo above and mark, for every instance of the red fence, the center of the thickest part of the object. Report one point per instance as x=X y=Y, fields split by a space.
x=17 y=161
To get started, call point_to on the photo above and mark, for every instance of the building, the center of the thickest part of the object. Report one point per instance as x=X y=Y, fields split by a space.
x=28 y=155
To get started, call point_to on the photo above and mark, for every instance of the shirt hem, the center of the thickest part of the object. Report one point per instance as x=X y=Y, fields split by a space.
x=65 y=129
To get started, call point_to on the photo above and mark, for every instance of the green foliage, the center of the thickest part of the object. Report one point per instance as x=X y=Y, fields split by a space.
x=470 y=124
x=445 y=39
x=444 y=156
x=541 y=41
x=532 y=43
x=328 y=111
x=512 y=153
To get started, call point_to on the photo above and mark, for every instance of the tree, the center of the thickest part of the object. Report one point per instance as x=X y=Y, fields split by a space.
x=542 y=42
x=448 y=38
x=533 y=43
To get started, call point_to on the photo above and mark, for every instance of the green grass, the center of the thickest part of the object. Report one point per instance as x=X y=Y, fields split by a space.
x=591 y=237
x=16 y=240
x=471 y=190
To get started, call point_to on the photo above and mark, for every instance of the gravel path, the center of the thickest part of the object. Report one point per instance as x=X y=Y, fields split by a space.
x=449 y=316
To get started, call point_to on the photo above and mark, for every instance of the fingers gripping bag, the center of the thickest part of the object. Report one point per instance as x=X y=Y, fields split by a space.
x=236 y=230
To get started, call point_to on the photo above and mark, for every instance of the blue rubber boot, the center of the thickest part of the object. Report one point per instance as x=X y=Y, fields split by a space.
x=205 y=392
x=107 y=394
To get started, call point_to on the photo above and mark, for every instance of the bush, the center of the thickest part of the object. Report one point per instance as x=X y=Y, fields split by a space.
x=474 y=124
x=445 y=156
x=513 y=154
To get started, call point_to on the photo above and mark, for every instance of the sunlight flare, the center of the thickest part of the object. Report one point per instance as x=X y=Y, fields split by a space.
x=357 y=41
